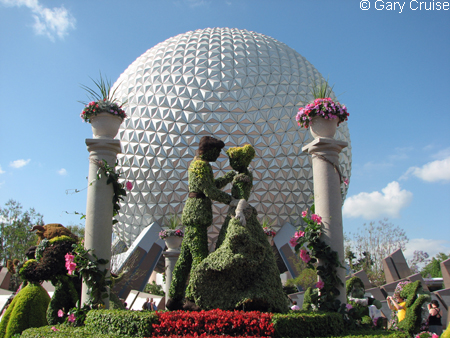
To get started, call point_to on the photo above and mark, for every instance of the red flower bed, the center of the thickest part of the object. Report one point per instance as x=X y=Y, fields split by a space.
x=213 y=322
x=204 y=335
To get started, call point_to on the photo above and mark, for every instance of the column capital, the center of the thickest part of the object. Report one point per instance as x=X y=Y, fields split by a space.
x=324 y=144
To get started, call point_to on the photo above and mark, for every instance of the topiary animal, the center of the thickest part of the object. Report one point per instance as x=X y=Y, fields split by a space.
x=355 y=295
x=49 y=264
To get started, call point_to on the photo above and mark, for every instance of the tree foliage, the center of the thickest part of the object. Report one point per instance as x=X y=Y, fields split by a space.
x=15 y=237
x=433 y=269
x=306 y=277
x=370 y=244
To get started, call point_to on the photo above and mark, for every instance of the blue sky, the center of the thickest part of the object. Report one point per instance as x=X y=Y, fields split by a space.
x=390 y=64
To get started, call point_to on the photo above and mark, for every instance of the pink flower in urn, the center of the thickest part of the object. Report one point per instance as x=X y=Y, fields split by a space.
x=60 y=313
x=304 y=256
x=54 y=329
x=316 y=218
x=293 y=241
x=320 y=284
x=71 y=318
x=129 y=185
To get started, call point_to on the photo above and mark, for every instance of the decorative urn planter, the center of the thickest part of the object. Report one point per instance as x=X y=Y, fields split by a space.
x=321 y=127
x=173 y=242
x=105 y=125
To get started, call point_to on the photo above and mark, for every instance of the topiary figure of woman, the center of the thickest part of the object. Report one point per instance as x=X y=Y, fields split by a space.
x=197 y=216
x=240 y=159
x=242 y=272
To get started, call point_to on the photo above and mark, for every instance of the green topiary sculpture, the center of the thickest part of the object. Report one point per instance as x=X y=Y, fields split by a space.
x=27 y=309
x=197 y=216
x=242 y=272
x=50 y=265
x=355 y=294
x=413 y=295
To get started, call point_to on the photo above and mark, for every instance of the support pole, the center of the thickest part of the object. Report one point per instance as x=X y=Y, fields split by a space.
x=171 y=257
x=99 y=206
x=328 y=198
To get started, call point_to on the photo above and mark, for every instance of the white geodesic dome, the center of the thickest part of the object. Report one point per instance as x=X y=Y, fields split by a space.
x=236 y=85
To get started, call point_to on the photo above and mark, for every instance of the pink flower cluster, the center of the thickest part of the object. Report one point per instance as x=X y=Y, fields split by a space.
x=70 y=265
x=297 y=235
x=324 y=107
x=305 y=256
x=320 y=284
x=316 y=218
x=129 y=185
x=71 y=318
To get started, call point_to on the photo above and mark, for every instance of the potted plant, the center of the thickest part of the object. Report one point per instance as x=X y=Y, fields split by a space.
x=104 y=112
x=173 y=234
x=268 y=231
x=323 y=115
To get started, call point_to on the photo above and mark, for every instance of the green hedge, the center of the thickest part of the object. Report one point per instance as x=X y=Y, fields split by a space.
x=307 y=324
x=66 y=331
x=121 y=322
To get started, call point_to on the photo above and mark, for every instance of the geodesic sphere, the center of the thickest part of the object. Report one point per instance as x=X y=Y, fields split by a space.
x=236 y=85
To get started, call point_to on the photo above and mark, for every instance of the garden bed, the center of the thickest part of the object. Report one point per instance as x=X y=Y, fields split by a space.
x=212 y=324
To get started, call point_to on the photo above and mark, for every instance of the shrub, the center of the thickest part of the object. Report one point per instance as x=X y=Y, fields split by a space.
x=65 y=331
x=121 y=322
x=27 y=309
x=214 y=322
x=307 y=324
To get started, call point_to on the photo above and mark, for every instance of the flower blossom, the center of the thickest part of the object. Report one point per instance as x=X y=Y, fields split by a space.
x=349 y=306
x=320 y=284
x=54 y=328
x=71 y=318
x=346 y=181
x=316 y=218
x=293 y=241
x=129 y=185
x=299 y=234
x=60 y=313
x=304 y=213
x=70 y=264
x=304 y=256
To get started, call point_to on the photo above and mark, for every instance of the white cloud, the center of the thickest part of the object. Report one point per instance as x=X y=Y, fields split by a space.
x=62 y=172
x=438 y=170
x=373 y=205
x=50 y=22
x=430 y=246
x=19 y=163
x=1 y=171
x=197 y=3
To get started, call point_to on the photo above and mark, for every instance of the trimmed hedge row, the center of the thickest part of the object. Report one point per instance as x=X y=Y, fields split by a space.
x=122 y=322
x=307 y=324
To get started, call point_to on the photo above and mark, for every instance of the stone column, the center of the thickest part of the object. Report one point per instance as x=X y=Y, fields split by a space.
x=99 y=206
x=327 y=196
x=171 y=257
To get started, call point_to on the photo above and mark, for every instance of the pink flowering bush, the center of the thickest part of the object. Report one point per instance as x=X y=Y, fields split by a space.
x=311 y=248
x=427 y=334
x=70 y=266
x=323 y=107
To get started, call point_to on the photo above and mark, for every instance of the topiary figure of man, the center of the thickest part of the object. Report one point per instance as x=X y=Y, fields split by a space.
x=197 y=216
